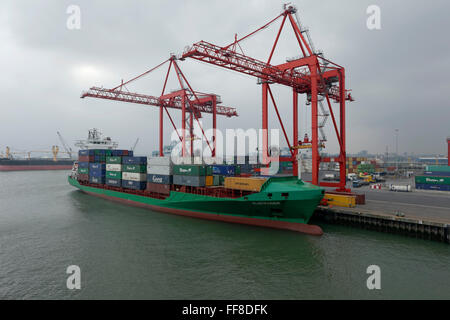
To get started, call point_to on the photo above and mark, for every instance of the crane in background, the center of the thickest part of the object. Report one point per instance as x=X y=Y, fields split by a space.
x=135 y=144
x=65 y=146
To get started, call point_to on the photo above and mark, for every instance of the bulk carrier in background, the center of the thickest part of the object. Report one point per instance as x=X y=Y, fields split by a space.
x=224 y=192
x=11 y=163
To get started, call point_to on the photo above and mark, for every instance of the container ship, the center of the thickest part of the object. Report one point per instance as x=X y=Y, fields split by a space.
x=223 y=192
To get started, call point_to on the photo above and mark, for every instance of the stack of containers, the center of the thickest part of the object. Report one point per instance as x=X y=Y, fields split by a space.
x=159 y=174
x=191 y=175
x=84 y=158
x=114 y=170
x=435 y=178
x=97 y=172
x=134 y=172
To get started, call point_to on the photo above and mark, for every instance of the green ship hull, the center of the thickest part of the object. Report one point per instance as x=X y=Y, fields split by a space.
x=282 y=203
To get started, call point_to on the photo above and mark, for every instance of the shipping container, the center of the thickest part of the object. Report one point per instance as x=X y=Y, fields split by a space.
x=158 y=188
x=189 y=170
x=134 y=176
x=93 y=166
x=83 y=177
x=194 y=181
x=100 y=158
x=97 y=180
x=432 y=180
x=113 y=175
x=244 y=183
x=86 y=158
x=97 y=172
x=216 y=180
x=83 y=164
x=113 y=167
x=159 y=161
x=114 y=160
x=113 y=182
x=159 y=178
x=86 y=152
x=83 y=170
x=226 y=170
x=209 y=181
x=134 y=160
x=438 y=168
x=137 y=168
x=163 y=170
x=437 y=173
x=136 y=185
x=438 y=187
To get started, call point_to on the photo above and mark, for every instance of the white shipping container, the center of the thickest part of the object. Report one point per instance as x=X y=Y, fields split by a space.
x=164 y=170
x=159 y=161
x=113 y=167
x=133 y=176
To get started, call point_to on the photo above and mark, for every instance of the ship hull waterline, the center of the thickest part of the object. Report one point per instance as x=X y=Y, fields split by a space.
x=253 y=221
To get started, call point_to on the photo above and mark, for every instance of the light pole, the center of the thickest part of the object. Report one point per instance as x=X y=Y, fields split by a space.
x=396 y=148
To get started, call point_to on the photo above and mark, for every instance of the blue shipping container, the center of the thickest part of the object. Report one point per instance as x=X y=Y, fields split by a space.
x=134 y=160
x=137 y=185
x=97 y=180
x=437 y=173
x=86 y=152
x=114 y=182
x=93 y=166
x=439 y=187
x=83 y=164
x=97 y=172
x=159 y=178
x=224 y=170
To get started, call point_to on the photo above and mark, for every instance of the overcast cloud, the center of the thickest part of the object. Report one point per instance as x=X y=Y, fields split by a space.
x=399 y=74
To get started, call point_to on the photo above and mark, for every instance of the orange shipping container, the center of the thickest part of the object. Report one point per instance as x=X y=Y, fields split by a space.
x=243 y=183
x=209 y=181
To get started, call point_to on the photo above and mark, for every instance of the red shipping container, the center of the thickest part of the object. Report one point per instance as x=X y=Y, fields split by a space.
x=159 y=188
x=83 y=177
x=86 y=159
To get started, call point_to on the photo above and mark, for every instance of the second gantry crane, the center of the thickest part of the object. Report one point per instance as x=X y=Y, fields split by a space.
x=191 y=103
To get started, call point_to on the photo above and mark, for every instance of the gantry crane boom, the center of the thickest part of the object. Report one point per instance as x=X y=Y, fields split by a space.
x=171 y=103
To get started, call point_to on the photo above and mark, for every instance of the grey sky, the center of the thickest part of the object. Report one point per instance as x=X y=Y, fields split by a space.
x=399 y=74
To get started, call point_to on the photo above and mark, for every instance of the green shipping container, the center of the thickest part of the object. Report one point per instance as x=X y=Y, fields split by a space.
x=209 y=171
x=136 y=168
x=83 y=170
x=113 y=175
x=438 y=168
x=189 y=170
x=116 y=160
x=432 y=180
x=216 y=180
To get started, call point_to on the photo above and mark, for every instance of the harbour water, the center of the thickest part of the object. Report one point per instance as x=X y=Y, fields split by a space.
x=131 y=253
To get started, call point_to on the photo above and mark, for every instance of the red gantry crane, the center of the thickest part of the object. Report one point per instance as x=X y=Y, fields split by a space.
x=310 y=74
x=191 y=103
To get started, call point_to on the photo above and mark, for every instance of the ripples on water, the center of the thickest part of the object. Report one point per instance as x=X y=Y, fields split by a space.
x=126 y=252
